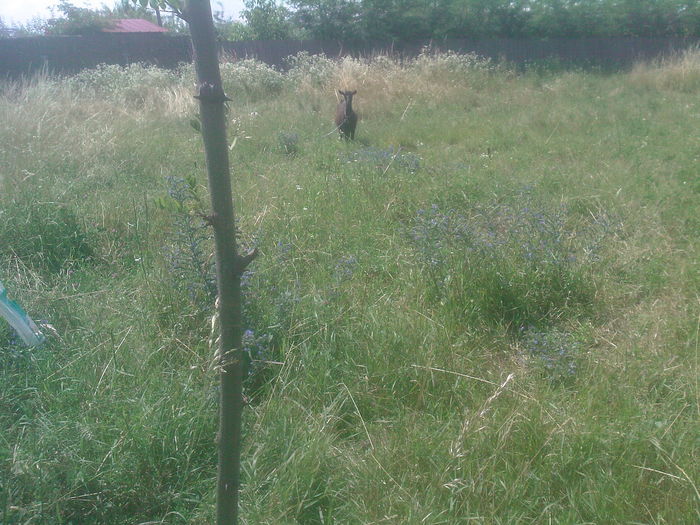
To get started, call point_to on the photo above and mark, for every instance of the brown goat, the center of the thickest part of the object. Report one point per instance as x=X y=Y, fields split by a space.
x=345 y=117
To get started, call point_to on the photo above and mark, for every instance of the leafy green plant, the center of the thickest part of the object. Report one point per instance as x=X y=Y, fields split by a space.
x=268 y=302
x=517 y=264
x=189 y=252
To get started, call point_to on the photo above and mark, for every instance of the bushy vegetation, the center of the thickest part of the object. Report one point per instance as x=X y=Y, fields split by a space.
x=353 y=21
x=391 y=20
x=483 y=309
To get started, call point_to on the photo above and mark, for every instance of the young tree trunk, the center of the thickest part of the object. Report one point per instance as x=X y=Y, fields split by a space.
x=229 y=264
x=158 y=17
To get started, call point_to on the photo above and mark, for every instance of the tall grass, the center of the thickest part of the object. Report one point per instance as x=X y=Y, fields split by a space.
x=680 y=71
x=484 y=309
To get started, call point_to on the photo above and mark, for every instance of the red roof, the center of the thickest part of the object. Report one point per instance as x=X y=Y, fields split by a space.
x=134 y=25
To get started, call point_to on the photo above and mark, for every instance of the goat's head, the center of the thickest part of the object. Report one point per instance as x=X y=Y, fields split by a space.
x=347 y=95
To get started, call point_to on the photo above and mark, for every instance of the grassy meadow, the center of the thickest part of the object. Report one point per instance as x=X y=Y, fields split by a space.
x=485 y=309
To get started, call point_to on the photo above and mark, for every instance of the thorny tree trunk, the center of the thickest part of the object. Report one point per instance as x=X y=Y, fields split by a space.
x=229 y=264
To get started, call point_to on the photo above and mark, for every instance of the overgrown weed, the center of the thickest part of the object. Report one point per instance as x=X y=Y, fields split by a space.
x=417 y=321
x=678 y=72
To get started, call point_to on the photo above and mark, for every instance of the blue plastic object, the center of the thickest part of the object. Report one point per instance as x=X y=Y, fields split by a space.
x=19 y=320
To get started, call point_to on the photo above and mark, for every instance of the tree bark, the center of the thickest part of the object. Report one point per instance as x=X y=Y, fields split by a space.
x=229 y=264
x=158 y=17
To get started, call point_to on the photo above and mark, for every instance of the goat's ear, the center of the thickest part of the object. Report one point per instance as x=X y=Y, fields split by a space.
x=353 y=92
x=341 y=92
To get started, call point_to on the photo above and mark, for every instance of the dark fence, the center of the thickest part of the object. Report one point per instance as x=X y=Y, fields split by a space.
x=70 y=54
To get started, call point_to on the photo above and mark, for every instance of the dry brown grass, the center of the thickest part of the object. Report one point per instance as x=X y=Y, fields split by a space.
x=679 y=72
x=381 y=81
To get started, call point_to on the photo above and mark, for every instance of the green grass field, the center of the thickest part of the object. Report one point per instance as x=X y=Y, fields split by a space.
x=483 y=310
